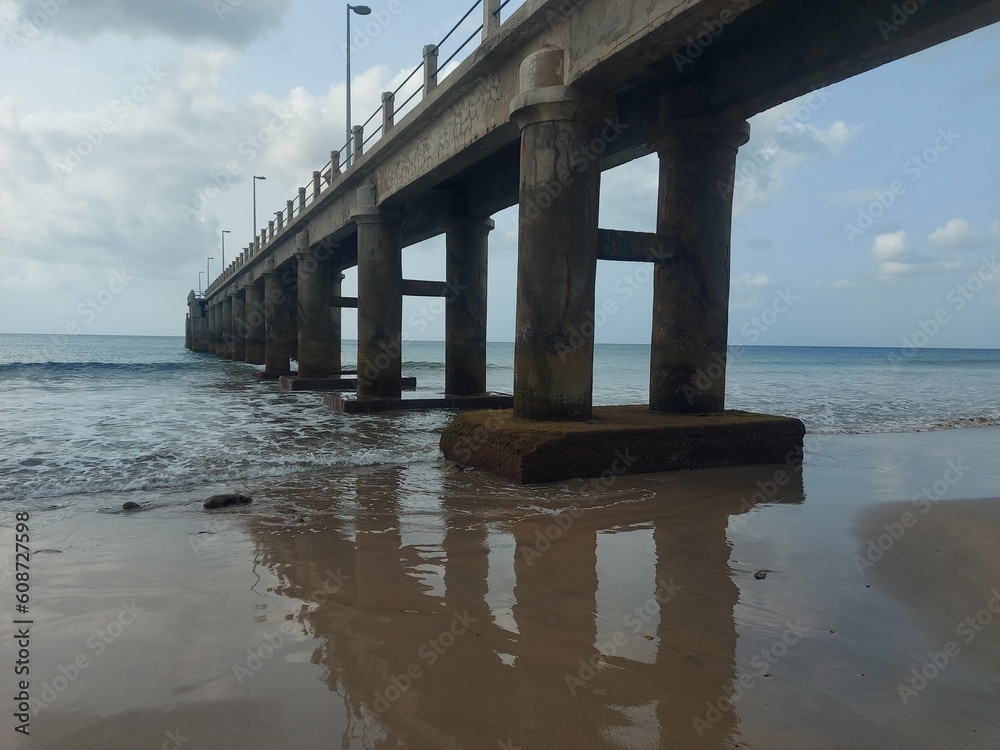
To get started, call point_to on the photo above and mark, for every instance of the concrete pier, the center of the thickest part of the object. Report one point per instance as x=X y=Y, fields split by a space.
x=466 y=246
x=227 y=327
x=315 y=340
x=380 y=298
x=691 y=295
x=254 y=317
x=214 y=328
x=277 y=350
x=557 y=240
x=239 y=352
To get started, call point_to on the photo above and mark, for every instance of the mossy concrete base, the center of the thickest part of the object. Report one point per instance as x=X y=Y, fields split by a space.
x=349 y=404
x=619 y=440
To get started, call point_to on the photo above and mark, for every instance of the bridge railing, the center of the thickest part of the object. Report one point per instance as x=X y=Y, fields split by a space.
x=330 y=174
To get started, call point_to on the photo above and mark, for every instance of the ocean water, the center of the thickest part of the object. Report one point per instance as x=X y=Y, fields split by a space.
x=92 y=415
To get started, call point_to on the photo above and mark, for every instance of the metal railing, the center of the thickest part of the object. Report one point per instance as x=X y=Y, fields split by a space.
x=330 y=173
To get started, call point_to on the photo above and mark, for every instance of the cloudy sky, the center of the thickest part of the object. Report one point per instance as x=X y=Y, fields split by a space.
x=130 y=129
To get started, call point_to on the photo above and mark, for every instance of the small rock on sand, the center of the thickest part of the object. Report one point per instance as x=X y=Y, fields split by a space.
x=131 y=506
x=222 y=501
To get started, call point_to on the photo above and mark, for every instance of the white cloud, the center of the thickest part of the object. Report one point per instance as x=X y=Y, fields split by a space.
x=837 y=284
x=751 y=280
x=955 y=233
x=234 y=22
x=782 y=138
x=889 y=247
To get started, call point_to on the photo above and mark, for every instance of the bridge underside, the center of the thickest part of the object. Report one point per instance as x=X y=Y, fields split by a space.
x=532 y=118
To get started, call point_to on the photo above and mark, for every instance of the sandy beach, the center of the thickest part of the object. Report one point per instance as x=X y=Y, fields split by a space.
x=849 y=603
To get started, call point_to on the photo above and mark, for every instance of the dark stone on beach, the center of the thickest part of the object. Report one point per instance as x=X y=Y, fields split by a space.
x=131 y=506
x=760 y=575
x=222 y=501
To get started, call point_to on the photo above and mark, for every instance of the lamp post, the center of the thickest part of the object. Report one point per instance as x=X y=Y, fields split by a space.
x=255 y=178
x=199 y=281
x=224 y=233
x=208 y=271
x=361 y=10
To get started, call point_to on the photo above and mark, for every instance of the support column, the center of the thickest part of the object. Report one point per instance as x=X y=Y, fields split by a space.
x=691 y=297
x=313 y=300
x=336 y=327
x=227 y=327
x=466 y=243
x=239 y=352
x=561 y=130
x=254 y=312
x=277 y=351
x=380 y=298
x=216 y=328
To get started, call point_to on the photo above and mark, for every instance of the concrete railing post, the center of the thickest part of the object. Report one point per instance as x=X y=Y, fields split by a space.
x=491 y=18
x=388 y=111
x=302 y=199
x=316 y=184
x=279 y=216
x=430 y=68
x=334 y=165
x=359 y=141
x=270 y=229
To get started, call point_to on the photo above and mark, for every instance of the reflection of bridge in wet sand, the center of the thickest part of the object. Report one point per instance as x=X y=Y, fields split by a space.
x=467 y=624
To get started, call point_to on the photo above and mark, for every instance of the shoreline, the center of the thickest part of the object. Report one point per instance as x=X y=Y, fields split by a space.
x=425 y=606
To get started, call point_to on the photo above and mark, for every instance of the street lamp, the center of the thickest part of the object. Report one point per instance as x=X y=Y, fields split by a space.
x=224 y=233
x=208 y=271
x=361 y=10
x=255 y=178
x=199 y=281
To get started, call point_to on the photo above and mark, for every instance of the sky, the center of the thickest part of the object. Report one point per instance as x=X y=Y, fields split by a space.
x=866 y=214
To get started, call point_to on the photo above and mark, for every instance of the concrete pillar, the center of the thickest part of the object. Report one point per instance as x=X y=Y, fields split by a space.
x=227 y=327
x=691 y=296
x=380 y=298
x=254 y=312
x=561 y=127
x=336 y=333
x=466 y=245
x=277 y=351
x=216 y=328
x=313 y=302
x=239 y=352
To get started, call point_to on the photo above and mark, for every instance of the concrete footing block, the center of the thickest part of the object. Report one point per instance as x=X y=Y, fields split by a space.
x=353 y=405
x=620 y=440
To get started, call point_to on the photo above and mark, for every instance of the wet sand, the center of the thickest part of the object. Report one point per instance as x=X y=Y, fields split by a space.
x=428 y=607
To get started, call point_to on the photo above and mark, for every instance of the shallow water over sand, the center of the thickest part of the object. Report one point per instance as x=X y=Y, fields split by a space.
x=426 y=607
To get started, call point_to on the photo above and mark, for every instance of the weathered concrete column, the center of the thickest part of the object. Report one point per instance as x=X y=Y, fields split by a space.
x=277 y=350
x=215 y=324
x=254 y=312
x=691 y=294
x=199 y=324
x=313 y=301
x=380 y=297
x=239 y=352
x=561 y=142
x=336 y=327
x=466 y=246
x=227 y=326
